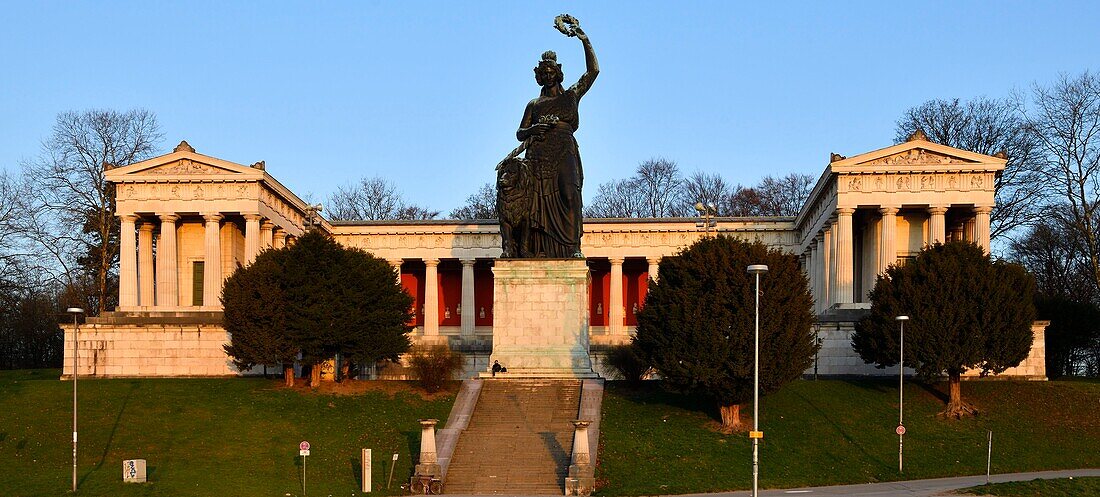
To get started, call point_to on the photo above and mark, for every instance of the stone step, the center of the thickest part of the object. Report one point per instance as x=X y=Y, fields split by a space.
x=519 y=439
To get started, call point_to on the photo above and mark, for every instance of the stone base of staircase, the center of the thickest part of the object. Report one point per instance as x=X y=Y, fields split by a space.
x=542 y=373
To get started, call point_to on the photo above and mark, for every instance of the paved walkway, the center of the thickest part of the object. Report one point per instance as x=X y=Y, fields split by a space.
x=911 y=488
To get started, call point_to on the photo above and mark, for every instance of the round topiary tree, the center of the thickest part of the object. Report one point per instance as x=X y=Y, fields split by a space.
x=697 y=326
x=319 y=299
x=965 y=311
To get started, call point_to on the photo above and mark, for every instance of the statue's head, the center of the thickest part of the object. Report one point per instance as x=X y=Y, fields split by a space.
x=548 y=72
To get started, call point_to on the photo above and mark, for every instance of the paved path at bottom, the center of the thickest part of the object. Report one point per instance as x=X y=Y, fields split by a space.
x=911 y=488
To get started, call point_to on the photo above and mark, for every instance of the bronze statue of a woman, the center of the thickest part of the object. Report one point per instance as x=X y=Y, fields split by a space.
x=539 y=196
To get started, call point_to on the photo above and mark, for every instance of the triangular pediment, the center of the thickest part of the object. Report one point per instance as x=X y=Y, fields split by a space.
x=917 y=152
x=186 y=163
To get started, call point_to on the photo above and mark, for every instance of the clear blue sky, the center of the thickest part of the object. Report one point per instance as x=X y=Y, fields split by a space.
x=428 y=94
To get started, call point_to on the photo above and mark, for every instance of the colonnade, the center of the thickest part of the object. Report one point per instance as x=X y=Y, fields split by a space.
x=149 y=280
x=830 y=257
x=616 y=313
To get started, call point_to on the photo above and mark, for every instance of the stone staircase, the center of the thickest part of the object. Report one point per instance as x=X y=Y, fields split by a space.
x=519 y=439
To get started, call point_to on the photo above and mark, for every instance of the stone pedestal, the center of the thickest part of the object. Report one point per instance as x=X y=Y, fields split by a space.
x=540 y=318
x=582 y=478
x=429 y=462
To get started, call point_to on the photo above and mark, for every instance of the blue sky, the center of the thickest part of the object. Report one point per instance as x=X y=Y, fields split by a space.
x=428 y=94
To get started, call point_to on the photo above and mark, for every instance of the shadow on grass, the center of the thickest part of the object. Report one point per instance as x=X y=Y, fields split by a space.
x=825 y=415
x=134 y=385
x=656 y=392
x=934 y=391
x=877 y=385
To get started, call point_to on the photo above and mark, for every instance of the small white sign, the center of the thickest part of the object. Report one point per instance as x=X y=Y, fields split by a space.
x=303 y=452
x=395 y=457
x=133 y=471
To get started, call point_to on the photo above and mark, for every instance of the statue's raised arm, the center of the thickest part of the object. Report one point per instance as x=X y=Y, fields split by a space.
x=569 y=26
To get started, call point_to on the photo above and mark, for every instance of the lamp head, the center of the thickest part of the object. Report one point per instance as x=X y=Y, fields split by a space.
x=74 y=310
x=699 y=207
x=902 y=318
x=757 y=269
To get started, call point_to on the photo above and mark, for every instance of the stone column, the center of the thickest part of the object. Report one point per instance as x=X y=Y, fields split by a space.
x=981 y=226
x=127 y=263
x=251 y=237
x=937 y=228
x=467 y=311
x=146 y=290
x=654 y=266
x=212 y=261
x=265 y=234
x=429 y=458
x=811 y=277
x=167 y=272
x=821 y=261
x=830 y=266
x=888 y=238
x=615 y=300
x=396 y=265
x=431 y=297
x=278 y=240
x=844 y=260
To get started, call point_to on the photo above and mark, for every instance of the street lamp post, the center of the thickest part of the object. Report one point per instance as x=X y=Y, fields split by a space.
x=707 y=212
x=76 y=312
x=901 y=393
x=756 y=435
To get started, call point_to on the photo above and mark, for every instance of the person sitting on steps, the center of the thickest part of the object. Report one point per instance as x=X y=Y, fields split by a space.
x=497 y=368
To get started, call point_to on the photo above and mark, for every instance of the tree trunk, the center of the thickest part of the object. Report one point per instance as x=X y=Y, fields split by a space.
x=314 y=376
x=731 y=418
x=288 y=374
x=344 y=367
x=955 y=406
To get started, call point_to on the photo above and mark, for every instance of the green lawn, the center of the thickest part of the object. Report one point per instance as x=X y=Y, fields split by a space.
x=201 y=437
x=239 y=437
x=1062 y=487
x=835 y=431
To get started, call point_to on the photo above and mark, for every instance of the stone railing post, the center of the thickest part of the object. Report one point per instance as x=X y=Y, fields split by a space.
x=581 y=477
x=429 y=460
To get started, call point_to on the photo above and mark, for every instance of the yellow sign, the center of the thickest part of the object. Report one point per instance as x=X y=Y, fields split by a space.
x=756 y=434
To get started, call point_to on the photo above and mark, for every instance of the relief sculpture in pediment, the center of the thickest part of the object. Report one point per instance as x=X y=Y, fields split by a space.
x=913 y=157
x=185 y=166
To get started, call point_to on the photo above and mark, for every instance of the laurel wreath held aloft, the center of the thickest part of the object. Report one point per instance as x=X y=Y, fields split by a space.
x=567 y=24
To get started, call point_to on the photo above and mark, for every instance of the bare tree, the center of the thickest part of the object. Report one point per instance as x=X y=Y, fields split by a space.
x=616 y=198
x=482 y=204
x=784 y=196
x=658 y=182
x=372 y=199
x=986 y=126
x=710 y=189
x=70 y=206
x=1066 y=124
x=745 y=202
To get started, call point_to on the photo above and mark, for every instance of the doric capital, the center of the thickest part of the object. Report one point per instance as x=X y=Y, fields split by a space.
x=616 y=261
x=169 y=218
x=431 y=262
x=467 y=262
x=266 y=224
x=212 y=217
x=888 y=210
x=845 y=211
x=653 y=261
x=983 y=209
x=128 y=218
x=396 y=262
x=147 y=226
x=937 y=210
x=255 y=217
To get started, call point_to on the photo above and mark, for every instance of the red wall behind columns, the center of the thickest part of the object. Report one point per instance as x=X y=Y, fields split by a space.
x=450 y=292
x=412 y=279
x=635 y=285
x=483 y=293
x=599 y=292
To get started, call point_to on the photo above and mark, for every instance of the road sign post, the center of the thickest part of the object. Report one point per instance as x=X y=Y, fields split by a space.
x=366 y=470
x=392 y=465
x=303 y=451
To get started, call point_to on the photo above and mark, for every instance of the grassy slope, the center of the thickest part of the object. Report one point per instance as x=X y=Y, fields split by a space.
x=829 y=432
x=202 y=437
x=1062 y=487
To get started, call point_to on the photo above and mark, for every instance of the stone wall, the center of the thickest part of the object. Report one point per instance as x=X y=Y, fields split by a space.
x=121 y=350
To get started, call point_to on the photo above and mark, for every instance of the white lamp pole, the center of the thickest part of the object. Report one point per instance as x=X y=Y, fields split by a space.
x=901 y=394
x=756 y=435
x=76 y=312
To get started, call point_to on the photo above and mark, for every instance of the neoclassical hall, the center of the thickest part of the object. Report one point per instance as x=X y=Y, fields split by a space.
x=189 y=220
